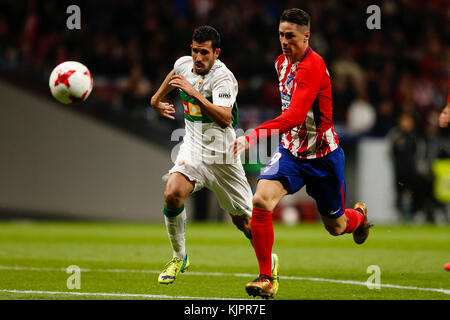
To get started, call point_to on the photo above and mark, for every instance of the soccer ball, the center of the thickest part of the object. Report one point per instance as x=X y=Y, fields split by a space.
x=71 y=82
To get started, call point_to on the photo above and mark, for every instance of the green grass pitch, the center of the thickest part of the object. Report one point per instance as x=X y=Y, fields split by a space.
x=122 y=261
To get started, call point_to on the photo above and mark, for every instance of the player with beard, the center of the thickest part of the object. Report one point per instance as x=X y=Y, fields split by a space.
x=208 y=90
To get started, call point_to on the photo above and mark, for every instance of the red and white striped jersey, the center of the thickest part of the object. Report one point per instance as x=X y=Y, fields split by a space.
x=306 y=102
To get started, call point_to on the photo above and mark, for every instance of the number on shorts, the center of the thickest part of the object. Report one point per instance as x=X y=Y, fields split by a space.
x=274 y=159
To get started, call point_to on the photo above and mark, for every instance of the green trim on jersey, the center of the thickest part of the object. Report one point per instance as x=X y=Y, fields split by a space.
x=205 y=118
x=187 y=98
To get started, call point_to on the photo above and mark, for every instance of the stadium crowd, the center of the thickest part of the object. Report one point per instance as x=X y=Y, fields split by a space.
x=378 y=76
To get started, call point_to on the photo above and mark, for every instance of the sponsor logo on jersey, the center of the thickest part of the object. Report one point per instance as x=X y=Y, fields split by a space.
x=285 y=100
x=192 y=109
x=289 y=83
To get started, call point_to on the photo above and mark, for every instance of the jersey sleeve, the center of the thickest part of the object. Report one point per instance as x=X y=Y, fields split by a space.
x=223 y=91
x=180 y=65
x=307 y=83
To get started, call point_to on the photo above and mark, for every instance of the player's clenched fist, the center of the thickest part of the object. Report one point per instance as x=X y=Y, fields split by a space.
x=238 y=146
x=180 y=82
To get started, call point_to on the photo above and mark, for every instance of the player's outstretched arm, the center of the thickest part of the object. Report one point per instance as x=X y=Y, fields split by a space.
x=163 y=108
x=220 y=115
x=302 y=99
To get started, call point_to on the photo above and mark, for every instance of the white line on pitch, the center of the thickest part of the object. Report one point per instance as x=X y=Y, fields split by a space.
x=220 y=274
x=118 y=295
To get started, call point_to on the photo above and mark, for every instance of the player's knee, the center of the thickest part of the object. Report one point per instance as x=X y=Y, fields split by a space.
x=262 y=201
x=173 y=198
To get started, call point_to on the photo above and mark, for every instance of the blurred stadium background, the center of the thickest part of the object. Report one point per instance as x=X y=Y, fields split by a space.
x=104 y=159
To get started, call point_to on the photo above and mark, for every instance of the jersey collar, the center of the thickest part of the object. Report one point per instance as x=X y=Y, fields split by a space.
x=307 y=51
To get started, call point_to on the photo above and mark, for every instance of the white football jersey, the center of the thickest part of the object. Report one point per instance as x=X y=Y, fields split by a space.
x=204 y=139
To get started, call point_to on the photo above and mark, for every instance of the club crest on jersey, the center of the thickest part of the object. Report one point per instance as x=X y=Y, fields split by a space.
x=289 y=82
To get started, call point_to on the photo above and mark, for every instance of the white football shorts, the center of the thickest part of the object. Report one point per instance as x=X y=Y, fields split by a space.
x=227 y=181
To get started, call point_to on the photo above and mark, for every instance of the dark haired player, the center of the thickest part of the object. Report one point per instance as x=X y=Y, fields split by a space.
x=309 y=153
x=208 y=91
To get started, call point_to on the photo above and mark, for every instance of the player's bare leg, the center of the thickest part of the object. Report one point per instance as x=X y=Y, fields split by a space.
x=178 y=187
x=242 y=222
x=268 y=195
x=352 y=221
x=335 y=227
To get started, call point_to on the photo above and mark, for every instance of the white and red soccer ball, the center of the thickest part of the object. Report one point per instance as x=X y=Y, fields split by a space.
x=71 y=82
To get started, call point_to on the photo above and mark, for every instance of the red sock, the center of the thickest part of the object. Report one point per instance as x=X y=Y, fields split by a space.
x=354 y=220
x=262 y=234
